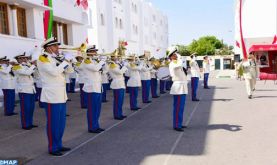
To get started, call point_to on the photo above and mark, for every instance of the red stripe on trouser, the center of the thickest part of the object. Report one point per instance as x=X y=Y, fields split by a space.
x=22 y=111
x=177 y=111
x=49 y=130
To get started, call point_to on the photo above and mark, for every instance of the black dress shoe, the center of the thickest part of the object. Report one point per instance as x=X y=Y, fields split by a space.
x=56 y=153
x=67 y=115
x=64 y=149
x=84 y=107
x=156 y=97
x=11 y=114
x=27 y=128
x=100 y=129
x=184 y=126
x=147 y=102
x=163 y=92
x=94 y=131
x=118 y=118
x=34 y=126
x=206 y=88
x=124 y=116
x=135 y=109
x=250 y=97
x=105 y=101
x=195 y=100
x=179 y=129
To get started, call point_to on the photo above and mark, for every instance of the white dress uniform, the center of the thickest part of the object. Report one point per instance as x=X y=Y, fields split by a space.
x=145 y=73
x=195 y=75
x=118 y=85
x=146 y=81
x=134 y=74
x=194 y=68
x=206 y=70
x=79 y=68
x=250 y=71
x=26 y=91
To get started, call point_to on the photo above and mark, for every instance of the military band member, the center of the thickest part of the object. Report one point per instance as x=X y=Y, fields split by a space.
x=195 y=74
x=79 y=69
x=169 y=82
x=26 y=90
x=105 y=83
x=145 y=79
x=206 y=70
x=52 y=69
x=154 y=80
x=38 y=86
x=134 y=82
x=93 y=89
x=7 y=81
x=117 y=71
x=162 y=82
x=250 y=72
x=179 y=88
x=72 y=84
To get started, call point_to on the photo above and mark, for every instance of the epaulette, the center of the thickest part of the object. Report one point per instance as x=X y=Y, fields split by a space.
x=87 y=61
x=16 y=67
x=133 y=65
x=43 y=59
x=1 y=67
x=175 y=61
x=78 y=64
x=112 y=65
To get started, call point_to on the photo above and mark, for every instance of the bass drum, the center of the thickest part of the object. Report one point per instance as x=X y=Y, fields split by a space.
x=163 y=73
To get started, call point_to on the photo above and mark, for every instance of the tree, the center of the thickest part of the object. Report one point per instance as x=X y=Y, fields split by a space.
x=183 y=50
x=205 y=45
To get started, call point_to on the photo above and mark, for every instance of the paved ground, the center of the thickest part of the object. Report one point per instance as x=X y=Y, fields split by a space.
x=225 y=128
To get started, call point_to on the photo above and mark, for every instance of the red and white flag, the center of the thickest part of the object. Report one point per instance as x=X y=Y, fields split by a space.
x=274 y=40
x=237 y=44
x=83 y=3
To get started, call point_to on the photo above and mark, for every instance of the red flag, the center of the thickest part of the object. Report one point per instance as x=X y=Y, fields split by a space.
x=274 y=40
x=87 y=40
x=84 y=3
x=78 y=2
x=125 y=43
x=237 y=44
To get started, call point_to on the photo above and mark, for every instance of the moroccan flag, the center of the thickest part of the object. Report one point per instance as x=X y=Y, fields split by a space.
x=274 y=40
x=78 y=2
x=84 y=3
x=237 y=44
x=48 y=19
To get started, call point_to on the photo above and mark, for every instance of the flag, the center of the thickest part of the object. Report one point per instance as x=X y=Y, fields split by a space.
x=84 y=3
x=78 y=2
x=243 y=46
x=274 y=40
x=237 y=44
x=48 y=19
x=125 y=43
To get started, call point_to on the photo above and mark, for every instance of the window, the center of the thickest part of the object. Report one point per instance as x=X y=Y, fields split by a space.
x=116 y=22
x=65 y=38
x=120 y=24
x=4 y=24
x=55 y=29
x=102 y=20
x=21 y=22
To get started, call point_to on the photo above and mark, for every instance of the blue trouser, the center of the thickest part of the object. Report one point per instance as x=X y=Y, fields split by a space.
x=72 y=85
x=38 y=93
x=133 y=91
x=27 y=107
x=178 y=110
x=104 y=94
x=162 y=86
x=154 y=87
x=194 y=87
x=94 y=110
x=126 y=81
x=168 y=85
x=67 y=87
x=9 y=101
x=118 y=102
x=145 y=90
x=56 y=118
x=83 y=97
x=206 y=78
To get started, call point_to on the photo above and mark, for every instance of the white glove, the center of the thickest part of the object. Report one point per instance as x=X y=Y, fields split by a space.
x=102 y=63
x=125 y=63
x=68 y=56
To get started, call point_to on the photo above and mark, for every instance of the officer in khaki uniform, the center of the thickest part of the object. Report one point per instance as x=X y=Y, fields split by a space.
x=179 y=89
x=117 y=70
x=26 y=90
x=52 y=67
x=93 y=89
x=134 y=82
x=7 y=84
x=250 y=72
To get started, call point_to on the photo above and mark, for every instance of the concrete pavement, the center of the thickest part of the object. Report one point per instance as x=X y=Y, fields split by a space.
x=224 y=128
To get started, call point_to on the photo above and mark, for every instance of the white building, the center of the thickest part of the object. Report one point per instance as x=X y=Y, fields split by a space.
x=139 y=23
x=22 y=26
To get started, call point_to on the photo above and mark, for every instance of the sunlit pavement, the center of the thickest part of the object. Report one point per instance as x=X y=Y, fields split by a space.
x=225 y=128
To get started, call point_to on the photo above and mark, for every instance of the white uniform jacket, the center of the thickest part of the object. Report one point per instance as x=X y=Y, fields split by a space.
x=93 y=80
x=134 y=80
x=24 y=79
x=145 y=71
x=37 y=78
x=206 y=67
x=53 y=79
x=104 y=75
x=153 y=72
x=117 y=73
x=79 y=69
x=250 y=69
x=179 y=78
x=7 y=80
x=194 y=69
